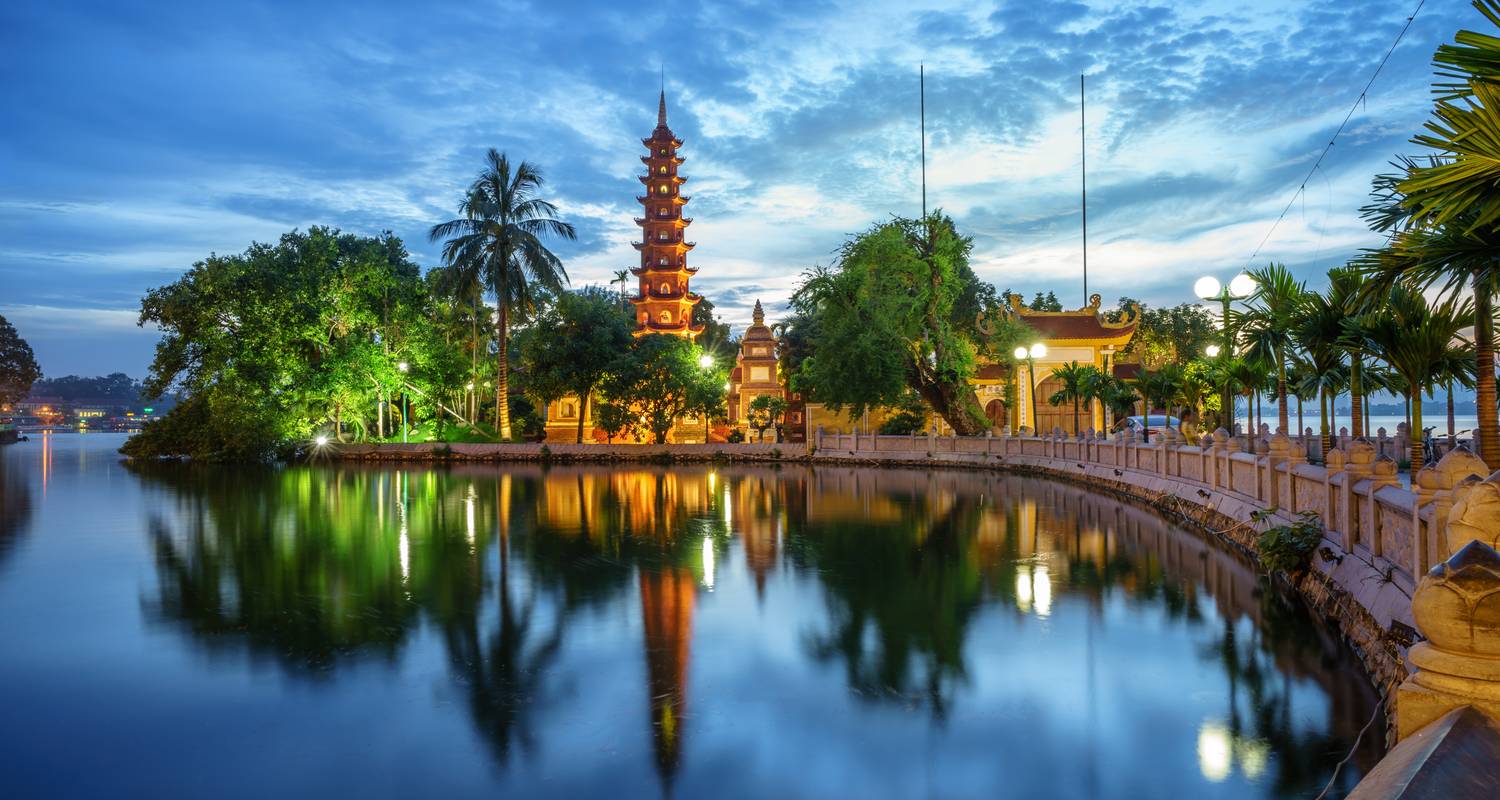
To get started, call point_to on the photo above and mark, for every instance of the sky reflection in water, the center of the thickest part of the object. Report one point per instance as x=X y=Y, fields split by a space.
x=735 y=632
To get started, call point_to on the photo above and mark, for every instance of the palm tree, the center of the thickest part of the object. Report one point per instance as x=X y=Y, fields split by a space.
x=622 y=277
x=498 y=241
x=1318 y=329
x=1466 y=129
x=1443 y=214
x=1422 y=344
x=1266 y=326
x=1163 y=385
x=1074 y=378
x=1346 y=292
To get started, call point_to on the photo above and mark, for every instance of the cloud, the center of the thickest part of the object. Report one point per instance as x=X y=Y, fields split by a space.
x=136 y=142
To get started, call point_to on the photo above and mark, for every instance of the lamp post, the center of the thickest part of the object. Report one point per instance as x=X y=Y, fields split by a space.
x=405 y=407
x=1030 y=355
x=706 y=361
x=1208 y=288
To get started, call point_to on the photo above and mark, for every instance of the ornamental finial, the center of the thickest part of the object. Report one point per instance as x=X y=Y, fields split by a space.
x=759 y=314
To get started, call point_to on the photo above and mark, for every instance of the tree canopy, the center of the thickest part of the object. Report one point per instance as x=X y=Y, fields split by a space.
x=899 y=310
x=268 y=345
x=18 y=367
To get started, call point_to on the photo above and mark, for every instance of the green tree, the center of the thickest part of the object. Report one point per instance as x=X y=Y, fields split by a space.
x=18 y=367
x=1049 y=302
x=615 y=420
x=887 y=322
x=573 y=346
x=1175 y=335
x=268 y=345
x=765 y=411
x=1422 y=344
x=499 y=241
x=662 y=380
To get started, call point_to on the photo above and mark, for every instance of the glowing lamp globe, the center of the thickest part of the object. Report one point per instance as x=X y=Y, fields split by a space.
x=403 y=366
x=1207 y=287
x=1039 y=350
x=705 y=361
x=1020 y=353
x=321 y=441
x=1212 y=351
x=1242 y=286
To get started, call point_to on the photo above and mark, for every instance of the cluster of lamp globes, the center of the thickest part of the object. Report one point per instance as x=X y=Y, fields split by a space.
x=1208 y=288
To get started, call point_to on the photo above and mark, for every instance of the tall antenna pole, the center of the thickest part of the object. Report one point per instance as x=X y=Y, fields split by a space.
x=1084 y=185
x=922 y=88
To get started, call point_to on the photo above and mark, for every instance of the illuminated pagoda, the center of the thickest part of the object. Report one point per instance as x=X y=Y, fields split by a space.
x=755 y=370
x=664 y=303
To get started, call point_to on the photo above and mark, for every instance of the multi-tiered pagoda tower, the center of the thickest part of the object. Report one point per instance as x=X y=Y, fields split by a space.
x=664 y=303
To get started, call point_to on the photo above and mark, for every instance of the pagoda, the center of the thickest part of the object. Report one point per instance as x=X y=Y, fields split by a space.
x=664 y=303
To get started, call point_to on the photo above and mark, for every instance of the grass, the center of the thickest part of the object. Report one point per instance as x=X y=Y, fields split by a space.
x=451 y=434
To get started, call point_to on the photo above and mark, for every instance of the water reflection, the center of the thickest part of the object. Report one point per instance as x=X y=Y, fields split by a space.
x=918 y=622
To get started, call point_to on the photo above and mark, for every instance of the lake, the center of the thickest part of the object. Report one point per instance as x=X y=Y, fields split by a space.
x=639 y=631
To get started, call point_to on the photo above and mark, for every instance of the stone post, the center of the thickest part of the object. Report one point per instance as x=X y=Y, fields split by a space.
x=1435 y=485
x=1382 y=475
x=1457 y=609
x=1220 y=454
x=1359 y=464
x=1333 y=482
x=1278 y=450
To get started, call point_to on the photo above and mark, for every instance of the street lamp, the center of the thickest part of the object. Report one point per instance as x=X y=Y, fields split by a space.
x=706 y=361
x=405 y=407
x=1239 y=288
x=1030 y=355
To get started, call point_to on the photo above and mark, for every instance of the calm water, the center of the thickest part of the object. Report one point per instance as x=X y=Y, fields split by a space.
x=479 y=631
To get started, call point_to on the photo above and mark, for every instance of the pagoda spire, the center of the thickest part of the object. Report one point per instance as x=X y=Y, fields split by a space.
x=663 y=303
x=759 y=314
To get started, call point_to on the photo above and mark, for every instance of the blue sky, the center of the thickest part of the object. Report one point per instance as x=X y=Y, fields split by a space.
x=137 y=137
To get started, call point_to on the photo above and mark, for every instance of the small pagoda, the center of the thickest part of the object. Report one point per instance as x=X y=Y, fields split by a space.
x=664 y=304
x=755 y=370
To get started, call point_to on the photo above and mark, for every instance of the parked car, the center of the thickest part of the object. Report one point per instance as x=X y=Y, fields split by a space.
x=1152 y=424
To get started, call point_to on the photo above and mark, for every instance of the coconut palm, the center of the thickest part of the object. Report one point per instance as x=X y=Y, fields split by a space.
x=1465 y=128
x=1074 y=378
x=498 y=241
x=1421 y=343
x=1266 y=326
x=1163 y=385
x=1318 y=330
x=622 y=277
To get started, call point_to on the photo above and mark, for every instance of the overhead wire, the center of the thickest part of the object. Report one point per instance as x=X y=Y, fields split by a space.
x=1358 y=101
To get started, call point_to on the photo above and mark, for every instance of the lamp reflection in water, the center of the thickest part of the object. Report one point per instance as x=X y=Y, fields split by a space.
x=469 y=514
x=1034 y=590
x=1219 y=750
x=708 y=562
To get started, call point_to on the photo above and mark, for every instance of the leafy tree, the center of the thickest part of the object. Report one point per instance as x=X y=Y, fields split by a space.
x=615 y=420
x=887 y=322
x=267 y=345
x=1175 y=335
x=498 y=242
x=573 y=346
x=765 y=411
x=662 y=380
x=717 y=338
x=18 y=367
